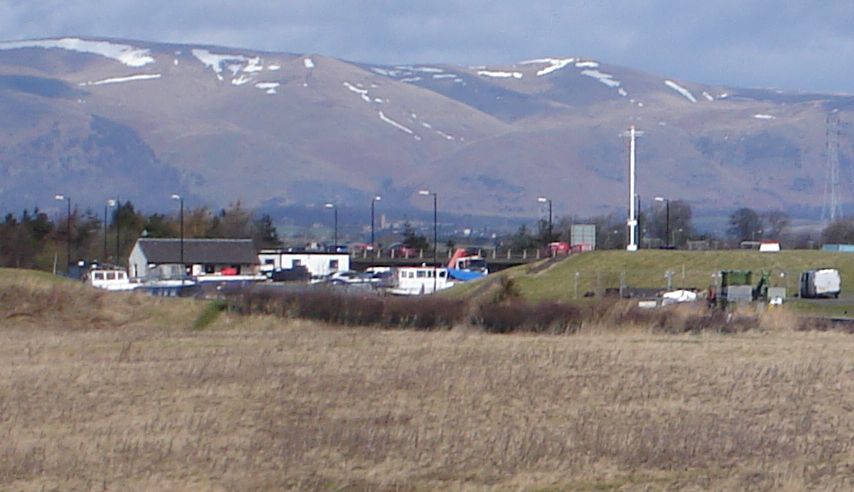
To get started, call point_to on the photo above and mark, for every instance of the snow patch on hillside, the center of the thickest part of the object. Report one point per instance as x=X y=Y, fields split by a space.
x=214 y=61
x=587 y=64
x=765 y=117
x=554 y=64
x=308 y=62
x=386 y=72
x=708 y=96
x=243 y=79
x=499 y=75
x=426 y=69
x=622 y=92
x=118 y=80
x=395 y=124
x=445 y=135
x=605 y=78
x=444 y=76
x=274 y=67
x=125 y=54
x=269 y=87
x=681 y=90
x=363 y=93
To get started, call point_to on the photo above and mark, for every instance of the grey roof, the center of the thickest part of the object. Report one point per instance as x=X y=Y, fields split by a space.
x=212 y=251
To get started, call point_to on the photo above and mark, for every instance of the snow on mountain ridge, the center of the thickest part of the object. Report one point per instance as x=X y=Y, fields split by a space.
x=499 y=74
x=125 y=54
x=681 y=90
x=129 y=78
x=554 y=64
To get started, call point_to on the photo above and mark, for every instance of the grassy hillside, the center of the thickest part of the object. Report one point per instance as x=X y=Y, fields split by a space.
x=34 y=299
x=599 y=270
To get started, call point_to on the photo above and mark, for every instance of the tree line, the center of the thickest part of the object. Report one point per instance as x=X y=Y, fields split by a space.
x=35 y=240
x=655 y=230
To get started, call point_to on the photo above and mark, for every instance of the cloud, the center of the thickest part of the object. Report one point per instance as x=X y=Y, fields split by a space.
x=749 y=43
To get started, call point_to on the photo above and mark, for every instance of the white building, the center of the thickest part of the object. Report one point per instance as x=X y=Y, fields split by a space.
x=318 y=263
x=161 y=258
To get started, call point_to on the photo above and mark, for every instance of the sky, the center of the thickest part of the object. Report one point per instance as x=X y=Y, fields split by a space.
x=782 y=44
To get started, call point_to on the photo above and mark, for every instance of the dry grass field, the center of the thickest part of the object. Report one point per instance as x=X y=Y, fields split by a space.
x=135 y=399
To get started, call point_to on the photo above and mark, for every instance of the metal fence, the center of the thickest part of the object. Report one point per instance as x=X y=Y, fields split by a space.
x=643 y=282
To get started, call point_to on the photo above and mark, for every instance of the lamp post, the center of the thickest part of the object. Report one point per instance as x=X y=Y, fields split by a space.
x=61 y=197
x=374 y=200
x=118 y=233
x=435 y=233
x=335 y=227
x=108 y=204
x=543 y=199
x=667 y=220
x=180 y=199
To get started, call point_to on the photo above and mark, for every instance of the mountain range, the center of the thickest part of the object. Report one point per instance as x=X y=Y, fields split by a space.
x=99 y=118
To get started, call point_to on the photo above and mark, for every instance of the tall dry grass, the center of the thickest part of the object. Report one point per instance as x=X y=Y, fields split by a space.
x=118 y=392
x=261 y=403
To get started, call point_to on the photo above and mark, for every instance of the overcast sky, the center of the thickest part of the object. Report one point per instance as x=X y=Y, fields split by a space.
x=754 y=43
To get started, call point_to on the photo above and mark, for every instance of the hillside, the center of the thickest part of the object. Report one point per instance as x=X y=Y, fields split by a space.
x=96 y=118
x=596 y=271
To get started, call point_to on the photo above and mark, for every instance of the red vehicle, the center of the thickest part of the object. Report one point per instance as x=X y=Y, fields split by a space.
x=559 y=248
x=401 y=251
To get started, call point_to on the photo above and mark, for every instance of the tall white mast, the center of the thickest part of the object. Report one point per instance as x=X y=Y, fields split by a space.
x=632 y=222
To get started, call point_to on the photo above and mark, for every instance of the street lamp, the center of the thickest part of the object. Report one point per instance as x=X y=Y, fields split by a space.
x=68 y=231
x=435 y=233
x=373 y=201
x=335 y=228
x=108 y=204
x=667 y=223
x=183 y=267
x=543 y=199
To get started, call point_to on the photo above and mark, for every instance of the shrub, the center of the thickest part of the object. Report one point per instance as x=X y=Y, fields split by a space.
x=502 y=318
x=556 y=317
x=508 y=291
x=552 y=317
x=361 y=309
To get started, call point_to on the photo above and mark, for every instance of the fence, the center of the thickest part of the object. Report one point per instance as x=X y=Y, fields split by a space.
x=641 y=282
x=487 y=253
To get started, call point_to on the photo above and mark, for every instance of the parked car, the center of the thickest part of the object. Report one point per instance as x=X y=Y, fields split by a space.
x=337 y=248
x=348 y=277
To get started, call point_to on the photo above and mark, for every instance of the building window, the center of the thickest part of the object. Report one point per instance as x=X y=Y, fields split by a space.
x=297 y=263
x=99 y=276
x=333 y=264
x=209 y=269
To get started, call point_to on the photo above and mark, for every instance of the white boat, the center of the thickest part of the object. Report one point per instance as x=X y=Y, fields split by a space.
x=112 y=279
x=413 y=281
